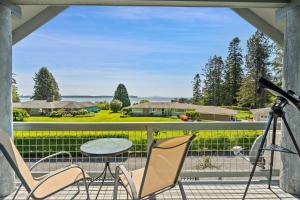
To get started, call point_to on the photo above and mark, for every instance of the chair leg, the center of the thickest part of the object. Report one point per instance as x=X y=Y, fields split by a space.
x=116 y=187
x=16 y=193
x=182 y=190
x=86 y=189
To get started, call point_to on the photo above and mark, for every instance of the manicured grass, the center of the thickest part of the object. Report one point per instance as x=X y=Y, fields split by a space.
x=102 y=116
x=244 y=115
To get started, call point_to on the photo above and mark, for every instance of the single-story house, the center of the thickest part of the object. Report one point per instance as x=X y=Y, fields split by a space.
x=261 y=114
x=41 y=107
x=176 y=109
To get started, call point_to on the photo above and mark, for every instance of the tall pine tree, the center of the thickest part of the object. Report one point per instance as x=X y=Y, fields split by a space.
x=196 y=89
x=277 y=65
x=15 y=94
x=233 y=72
x=45 y=86
x=121 y=94
x=257 y=65
x=213 y=92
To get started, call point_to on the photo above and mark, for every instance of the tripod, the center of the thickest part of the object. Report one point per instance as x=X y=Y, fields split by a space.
x=275 y=113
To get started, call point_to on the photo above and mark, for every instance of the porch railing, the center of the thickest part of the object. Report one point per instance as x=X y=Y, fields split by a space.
x=210 y=155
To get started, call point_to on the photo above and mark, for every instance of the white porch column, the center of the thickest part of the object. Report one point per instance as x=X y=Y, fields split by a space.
x=6 y=174
x=290 y=173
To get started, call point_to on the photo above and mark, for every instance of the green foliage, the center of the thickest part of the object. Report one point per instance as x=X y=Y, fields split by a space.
x=277 y=65
x=45 y=86
x=144 y=101
x=70 y=113
x=121 y=94
x=213 y=83
x=15 y=94
x=29 y=142
x=233 y=72
x=196 y=89
x=103 y=106
x=192 y=115
x=20 y=114
x=116 y=105
x=126 y=110
x=257 y=64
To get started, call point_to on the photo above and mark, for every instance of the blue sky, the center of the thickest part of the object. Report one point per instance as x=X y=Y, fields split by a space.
x=154 y=51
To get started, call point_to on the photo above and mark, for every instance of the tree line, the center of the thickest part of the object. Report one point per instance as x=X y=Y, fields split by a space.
x=46 y=88
x=234 y=81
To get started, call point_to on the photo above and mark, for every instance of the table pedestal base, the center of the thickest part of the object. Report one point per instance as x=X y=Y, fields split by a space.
x=102 y=177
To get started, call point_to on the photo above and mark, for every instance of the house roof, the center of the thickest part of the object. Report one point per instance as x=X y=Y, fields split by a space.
x=260 y=111
x=175 y=105
x=43 y=104
x=260 y=13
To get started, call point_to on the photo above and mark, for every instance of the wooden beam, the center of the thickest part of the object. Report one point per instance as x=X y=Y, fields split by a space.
x=199 y=3
x=261 y=24
x=41 y=18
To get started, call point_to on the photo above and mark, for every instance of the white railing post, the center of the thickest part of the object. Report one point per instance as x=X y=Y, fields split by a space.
x=149 y=136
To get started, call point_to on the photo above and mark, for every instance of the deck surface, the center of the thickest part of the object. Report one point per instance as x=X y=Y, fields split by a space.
x=194 y=190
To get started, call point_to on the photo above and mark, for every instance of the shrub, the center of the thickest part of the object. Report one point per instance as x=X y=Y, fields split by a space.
x=144 y=101
x=192 y=115
x=184 y=118
x=20 y=114
x=69 y=113
x=126 y=110
x=103 y=106
x=115 y=105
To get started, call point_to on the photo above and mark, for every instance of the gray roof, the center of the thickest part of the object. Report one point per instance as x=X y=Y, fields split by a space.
x=175 y=105
x=43 y=104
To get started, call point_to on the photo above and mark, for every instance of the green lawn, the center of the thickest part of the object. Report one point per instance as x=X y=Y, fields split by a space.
x=103 y=116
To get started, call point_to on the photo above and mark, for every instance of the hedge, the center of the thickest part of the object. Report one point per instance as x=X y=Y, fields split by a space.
x=42 y=143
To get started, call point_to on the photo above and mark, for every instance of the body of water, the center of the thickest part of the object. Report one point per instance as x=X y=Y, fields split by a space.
x=107 y=99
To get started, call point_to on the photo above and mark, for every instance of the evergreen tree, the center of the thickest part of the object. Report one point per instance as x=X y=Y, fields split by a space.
x=15 y=94
x=196 y=89
x=121 y=94
x=233 y=72
x=213 y=92
x=45 y=86
x=257 y=65
x=277 y=65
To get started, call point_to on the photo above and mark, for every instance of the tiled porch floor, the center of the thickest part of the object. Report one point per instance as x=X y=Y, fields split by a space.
x=194 y=190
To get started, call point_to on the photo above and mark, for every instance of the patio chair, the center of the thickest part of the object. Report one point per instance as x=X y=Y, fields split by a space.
x=252 y=153
x=47 y=185
x=161 y=172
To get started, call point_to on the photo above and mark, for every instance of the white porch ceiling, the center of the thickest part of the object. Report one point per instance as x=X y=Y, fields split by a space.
x=260 y=13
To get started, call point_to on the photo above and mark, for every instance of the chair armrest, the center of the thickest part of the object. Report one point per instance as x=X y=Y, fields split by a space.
x=127 y=175
x=51 y=156
x=46 y=177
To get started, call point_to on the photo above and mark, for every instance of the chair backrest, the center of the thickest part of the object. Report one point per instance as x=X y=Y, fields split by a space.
x=16 y=161
x=254 y=149
x=164 y=164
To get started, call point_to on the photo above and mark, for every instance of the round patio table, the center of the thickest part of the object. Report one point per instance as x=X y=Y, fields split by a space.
x=106 y=148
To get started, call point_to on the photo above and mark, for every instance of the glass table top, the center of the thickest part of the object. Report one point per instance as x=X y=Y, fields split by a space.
x=106 y=146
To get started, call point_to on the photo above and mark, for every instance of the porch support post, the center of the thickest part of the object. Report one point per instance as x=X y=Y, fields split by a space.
x=7 y=182
x=290 y=172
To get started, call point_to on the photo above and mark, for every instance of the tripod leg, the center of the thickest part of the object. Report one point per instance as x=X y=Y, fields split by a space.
x=258 y=155
x=272 y=152
x=291 y=134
